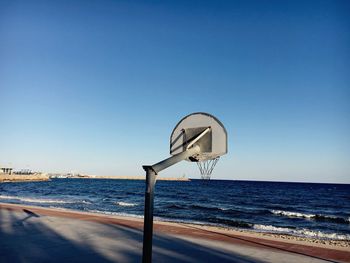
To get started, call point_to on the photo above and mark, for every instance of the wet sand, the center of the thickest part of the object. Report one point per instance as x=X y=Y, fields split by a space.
x=34 y=234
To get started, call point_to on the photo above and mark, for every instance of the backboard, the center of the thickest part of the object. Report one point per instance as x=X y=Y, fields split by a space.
x=200 y=129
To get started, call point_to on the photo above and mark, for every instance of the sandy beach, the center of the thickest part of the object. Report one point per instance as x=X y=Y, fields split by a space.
x=36 y=234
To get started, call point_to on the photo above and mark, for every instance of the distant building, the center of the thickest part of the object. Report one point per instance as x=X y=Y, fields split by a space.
x=6 y=170
x=24 y=172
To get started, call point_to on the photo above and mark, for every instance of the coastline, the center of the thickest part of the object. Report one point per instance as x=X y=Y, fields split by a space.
x=9 y=178
x=14 y=178
x=322 y=249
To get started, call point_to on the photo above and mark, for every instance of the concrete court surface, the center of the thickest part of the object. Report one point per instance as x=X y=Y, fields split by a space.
x=26 y=236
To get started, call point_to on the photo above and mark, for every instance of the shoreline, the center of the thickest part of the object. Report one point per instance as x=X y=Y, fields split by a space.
x=307 y=246
x=40 y=177
x=342 y=243
x=285 y=237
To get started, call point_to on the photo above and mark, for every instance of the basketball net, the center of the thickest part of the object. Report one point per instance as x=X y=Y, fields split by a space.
x=206 y=167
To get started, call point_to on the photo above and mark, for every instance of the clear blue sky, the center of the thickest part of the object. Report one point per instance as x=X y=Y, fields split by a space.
x=97 y=86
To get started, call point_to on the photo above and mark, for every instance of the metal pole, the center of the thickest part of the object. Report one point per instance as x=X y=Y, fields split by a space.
x=148 y=219
x=151 y=174
x=175 y=159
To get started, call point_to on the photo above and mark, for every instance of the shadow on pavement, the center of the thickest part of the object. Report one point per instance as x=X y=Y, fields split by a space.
x=25 y=237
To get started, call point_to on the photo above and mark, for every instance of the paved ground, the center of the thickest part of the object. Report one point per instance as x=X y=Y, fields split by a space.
x=29 y=236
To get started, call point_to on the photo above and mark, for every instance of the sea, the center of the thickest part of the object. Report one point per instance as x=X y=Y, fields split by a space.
x=299 y=209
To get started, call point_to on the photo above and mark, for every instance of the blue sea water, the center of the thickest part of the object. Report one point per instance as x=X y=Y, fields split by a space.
x=301 y=209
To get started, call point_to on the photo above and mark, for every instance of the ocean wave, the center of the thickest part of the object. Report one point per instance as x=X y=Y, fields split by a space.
x=291 y=214
x=126 y=204
x=224 y=208
x=175 y=206
x=334 y=219
x=240 y=224
x=41 y=201
x=114 y=213
x=203 y=207
x=181 y=221
x=156 y=218
x=211 y=208
x=229 y=222
x=199 y=207
x=316 y=217
x=301 y=232
x=211 y=222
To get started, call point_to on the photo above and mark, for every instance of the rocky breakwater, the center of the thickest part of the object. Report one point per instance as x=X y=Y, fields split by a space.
x=23 y=177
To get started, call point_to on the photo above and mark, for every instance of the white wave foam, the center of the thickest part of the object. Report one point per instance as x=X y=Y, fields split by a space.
x=291 y=214
x=38 y=200
x=301 y=232
x=162 y=219
x=126 y=204
x=260 y=228
x=115 y=213
x=310 y=216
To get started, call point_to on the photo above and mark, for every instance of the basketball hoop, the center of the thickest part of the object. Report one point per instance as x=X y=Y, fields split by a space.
x=205 y=131
x=206 y=167
x=198 y=137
